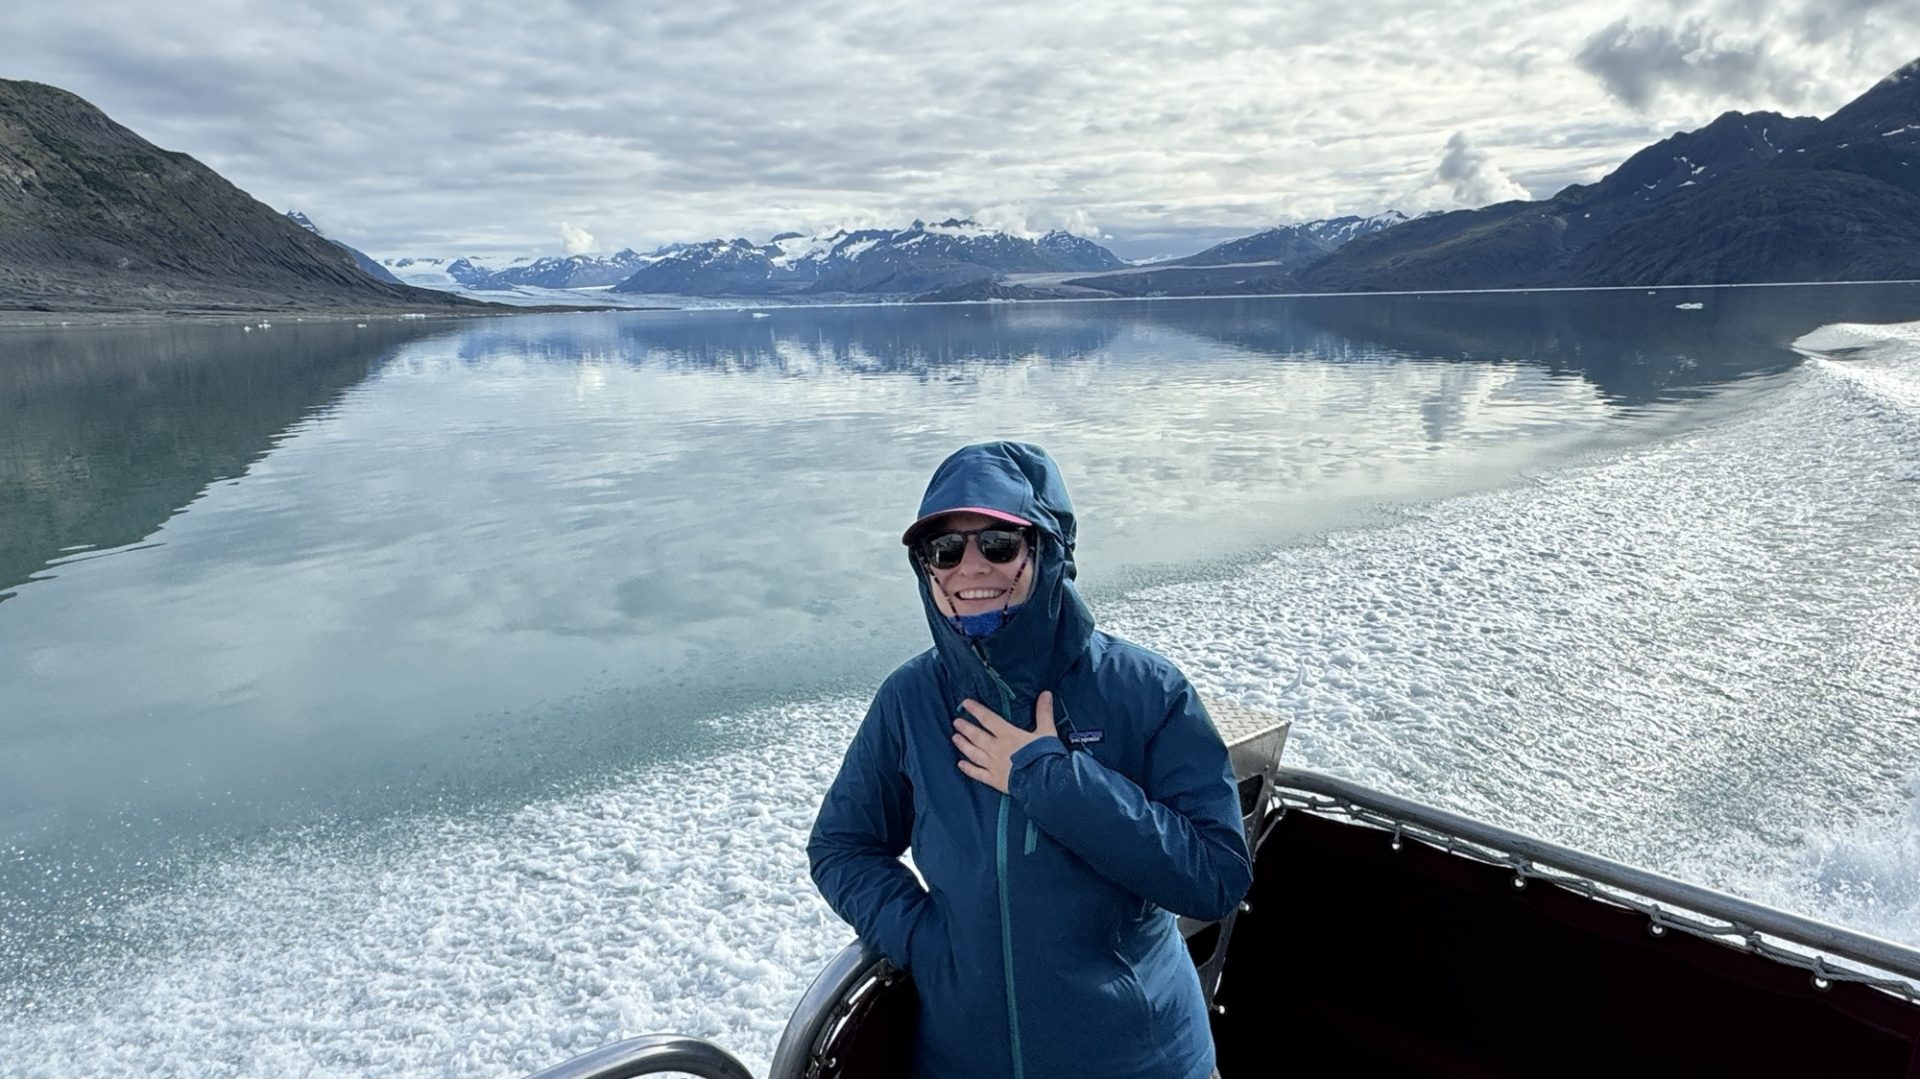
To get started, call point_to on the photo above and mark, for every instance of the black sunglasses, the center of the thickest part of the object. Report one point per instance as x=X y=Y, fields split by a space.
x=998 y=544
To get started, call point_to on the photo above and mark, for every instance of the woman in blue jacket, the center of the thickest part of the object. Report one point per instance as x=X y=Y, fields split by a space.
x=1064 y=795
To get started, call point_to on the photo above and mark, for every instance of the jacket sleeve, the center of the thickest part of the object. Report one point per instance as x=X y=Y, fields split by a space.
x=863 y=827
x=1177 y=842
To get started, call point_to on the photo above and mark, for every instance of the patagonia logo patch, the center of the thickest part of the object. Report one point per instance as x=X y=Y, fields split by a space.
x=1085 y=738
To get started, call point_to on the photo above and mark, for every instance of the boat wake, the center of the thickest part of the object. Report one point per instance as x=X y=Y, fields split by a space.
x=1697 y=656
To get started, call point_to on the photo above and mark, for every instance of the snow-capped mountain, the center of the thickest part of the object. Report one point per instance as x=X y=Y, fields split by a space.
x=1081 y=252
x=571 y=271
x=448 y=274
x=915 y=259
x=736 y=267
x=476 y=274
x=360 y=258
x=1292 y=245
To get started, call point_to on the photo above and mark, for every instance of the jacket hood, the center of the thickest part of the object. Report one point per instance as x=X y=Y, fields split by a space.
x=1051 y=630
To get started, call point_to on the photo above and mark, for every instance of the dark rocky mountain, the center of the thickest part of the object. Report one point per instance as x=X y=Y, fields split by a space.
x=1755 y=197
x=1884 y=112
x=910 y=261
x=93 y=217
x=360 y=258
x=1293 y=245
x=572 y=271
x=1735 y=142
x=1843 y=204
x=1751 y=197
x=1258 y=263
x=1547 y=243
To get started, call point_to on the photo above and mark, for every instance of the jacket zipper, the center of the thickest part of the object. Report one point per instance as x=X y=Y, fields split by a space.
x=1000 y=870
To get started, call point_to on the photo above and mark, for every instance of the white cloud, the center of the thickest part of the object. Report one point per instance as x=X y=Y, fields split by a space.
x=1636 y=63
x=1750 y=54
x=1080 y=223
x=575 y=241
x=1466 y=177
x=1021 y=221
x=423 y=129
x=1007 y=218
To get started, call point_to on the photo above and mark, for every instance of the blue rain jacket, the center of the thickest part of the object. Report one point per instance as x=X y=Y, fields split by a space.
x=1044 y=942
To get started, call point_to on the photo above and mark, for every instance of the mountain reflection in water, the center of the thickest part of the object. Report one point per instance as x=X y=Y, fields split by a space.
x=110 y=432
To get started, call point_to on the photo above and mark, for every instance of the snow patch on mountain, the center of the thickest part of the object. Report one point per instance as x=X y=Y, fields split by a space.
x=919 y=257
x=448 y=274
x=1296 y=244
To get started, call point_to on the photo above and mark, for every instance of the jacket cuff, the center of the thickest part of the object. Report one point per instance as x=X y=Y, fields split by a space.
x=1034 y=750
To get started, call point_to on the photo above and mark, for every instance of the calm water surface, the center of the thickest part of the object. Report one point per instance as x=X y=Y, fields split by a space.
x=285 y=597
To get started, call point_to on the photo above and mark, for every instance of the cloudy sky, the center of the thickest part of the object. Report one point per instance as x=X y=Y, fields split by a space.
x=540 y=126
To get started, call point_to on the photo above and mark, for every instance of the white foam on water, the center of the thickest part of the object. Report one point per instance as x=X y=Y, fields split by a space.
x=1696 y=656
x=677 y=901
x=1836 y=347
x=1863 y=874
x=1839 y=336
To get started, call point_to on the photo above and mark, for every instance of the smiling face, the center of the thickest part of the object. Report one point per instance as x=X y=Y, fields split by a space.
x=977 y=586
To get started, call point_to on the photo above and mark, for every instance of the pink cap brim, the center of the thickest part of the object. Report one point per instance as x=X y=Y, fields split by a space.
x=998 y=515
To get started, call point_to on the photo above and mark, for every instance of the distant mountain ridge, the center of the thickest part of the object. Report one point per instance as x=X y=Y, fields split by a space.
x=1751 y=197
x=93 y=217
x=1558 y=241
x=1292 y=245
x=476 y=273
x=1842 y=203
x=446 y=273
x=360 y=258
x=570 y=271
x=913 y=260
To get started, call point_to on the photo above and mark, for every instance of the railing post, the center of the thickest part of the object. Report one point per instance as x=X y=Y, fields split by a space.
x=650 y=1055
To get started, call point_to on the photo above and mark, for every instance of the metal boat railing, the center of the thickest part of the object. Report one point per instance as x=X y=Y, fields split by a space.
x=835 y=995
x=855 y=977
x=1702 y=911
x=650 y=1055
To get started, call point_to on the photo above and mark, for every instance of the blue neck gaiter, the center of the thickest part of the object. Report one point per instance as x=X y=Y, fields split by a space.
x=976 y=626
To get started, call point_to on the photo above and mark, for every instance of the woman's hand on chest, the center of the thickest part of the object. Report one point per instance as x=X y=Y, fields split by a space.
x=987 y=742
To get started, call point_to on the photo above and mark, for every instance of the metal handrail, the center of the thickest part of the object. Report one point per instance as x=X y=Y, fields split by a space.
x=650 y=1055
x=823 y=1004
x=1744 y=915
